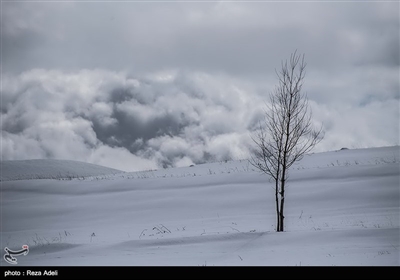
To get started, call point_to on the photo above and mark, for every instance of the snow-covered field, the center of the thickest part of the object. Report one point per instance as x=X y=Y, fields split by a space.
x=50 y=169
x=342 y=208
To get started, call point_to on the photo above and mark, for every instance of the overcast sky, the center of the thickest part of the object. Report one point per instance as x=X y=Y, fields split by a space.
x=142 y=85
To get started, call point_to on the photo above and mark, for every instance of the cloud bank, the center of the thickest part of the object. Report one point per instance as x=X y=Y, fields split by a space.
x=163 y=119
x=109 y=118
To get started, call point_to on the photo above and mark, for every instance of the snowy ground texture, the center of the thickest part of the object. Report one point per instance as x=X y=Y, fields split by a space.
x=50 y=169
x=342 y=208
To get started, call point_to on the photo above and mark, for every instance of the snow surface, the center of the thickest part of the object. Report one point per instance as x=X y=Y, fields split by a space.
x=50 y=169
x=342 y=208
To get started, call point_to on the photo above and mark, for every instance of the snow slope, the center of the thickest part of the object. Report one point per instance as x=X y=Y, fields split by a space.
x=50 y=169
x=342 y=208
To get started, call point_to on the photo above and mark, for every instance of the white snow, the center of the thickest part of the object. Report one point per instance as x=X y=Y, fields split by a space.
x=342 y=208
x=50 y=169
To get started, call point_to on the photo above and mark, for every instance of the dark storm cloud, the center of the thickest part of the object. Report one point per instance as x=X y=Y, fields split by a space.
x=165 y=119
x=127 y=129
x=144 y=84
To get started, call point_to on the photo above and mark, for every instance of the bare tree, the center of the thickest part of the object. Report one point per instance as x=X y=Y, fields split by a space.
x=287 y=133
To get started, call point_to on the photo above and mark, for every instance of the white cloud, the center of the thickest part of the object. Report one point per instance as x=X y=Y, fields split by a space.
x=373 y=125
x=182 y=162
x=102 y=112
x=17 y=146
x=120 y=158
x=229 y=146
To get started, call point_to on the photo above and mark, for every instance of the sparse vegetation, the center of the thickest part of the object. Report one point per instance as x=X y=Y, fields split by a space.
x=38 y=240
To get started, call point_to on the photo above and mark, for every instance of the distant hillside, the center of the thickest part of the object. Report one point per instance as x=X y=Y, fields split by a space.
x=50 y=169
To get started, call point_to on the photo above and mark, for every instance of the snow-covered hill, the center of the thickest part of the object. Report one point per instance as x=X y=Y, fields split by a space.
x=50 y=169
x=342 y=208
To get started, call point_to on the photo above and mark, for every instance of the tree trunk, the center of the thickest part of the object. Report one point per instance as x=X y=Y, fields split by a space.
x=281 y=216
x=278 y=220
